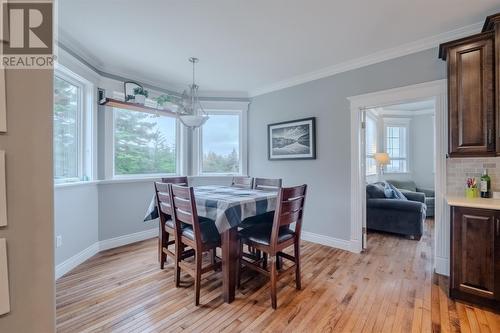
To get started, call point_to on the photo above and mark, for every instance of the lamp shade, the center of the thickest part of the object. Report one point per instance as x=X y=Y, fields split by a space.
x=382 y=158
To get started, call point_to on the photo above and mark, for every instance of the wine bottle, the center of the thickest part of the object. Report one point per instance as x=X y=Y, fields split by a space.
x=485 y=185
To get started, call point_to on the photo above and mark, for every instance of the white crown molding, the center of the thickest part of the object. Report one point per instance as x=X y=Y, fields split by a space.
x=396 y=52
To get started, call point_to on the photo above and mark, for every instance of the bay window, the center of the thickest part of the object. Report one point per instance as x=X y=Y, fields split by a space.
x=144 y=143
x=396 y=133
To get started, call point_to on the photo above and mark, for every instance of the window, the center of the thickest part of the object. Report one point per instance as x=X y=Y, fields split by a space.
x=68 y=106
x=220 y=143
x=371 y=145
x=144 y=143
x=396 y=145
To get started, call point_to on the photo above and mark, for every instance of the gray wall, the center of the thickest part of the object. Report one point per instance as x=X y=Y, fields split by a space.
x=30 y=233
x=76 y=219
x=122 y=207
x=327 y=207
x=423 y=150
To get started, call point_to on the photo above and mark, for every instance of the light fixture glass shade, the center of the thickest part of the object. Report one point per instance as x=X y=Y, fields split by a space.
x=193 y=121
x=191 y=113
x=382 y=158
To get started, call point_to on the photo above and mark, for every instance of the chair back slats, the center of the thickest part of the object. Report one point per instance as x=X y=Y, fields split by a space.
x=267 y=184
x=176 y=180
x=289 y=209
x=163 y=201
x=242 y=182
x=184 y=209
x=165 y=208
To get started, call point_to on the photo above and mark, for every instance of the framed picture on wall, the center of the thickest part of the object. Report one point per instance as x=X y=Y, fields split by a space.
x=292 y=140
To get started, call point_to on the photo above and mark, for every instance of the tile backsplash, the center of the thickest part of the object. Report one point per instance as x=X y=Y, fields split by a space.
x=459 y=169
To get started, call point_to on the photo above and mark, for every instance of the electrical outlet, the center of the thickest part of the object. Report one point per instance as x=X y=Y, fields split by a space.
x=58 y=241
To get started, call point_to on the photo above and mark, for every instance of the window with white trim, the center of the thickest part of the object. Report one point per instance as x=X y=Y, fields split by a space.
x=144 y=143
x=220 y=143
x=396 y=134
x=371 y=144
x=72 y=130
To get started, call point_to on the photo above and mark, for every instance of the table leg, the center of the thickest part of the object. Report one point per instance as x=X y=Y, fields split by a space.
x=229 y=263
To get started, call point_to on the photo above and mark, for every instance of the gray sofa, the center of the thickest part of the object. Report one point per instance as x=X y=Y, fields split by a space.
x=409 y=186
x=404 y=217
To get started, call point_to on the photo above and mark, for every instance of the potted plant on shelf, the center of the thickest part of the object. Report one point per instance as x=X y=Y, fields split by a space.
x=164 y=100
x=140 y=95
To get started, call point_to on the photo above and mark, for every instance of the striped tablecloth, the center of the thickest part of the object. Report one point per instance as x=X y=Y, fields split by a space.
x=227 y=206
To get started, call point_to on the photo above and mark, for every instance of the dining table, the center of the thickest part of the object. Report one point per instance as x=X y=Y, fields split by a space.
x=228 y=207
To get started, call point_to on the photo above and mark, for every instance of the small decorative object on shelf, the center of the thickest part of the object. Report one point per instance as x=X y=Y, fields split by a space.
x=164 y=100
x=140 y=95
x=485 y=185
x=128 y=90
x=471 y=190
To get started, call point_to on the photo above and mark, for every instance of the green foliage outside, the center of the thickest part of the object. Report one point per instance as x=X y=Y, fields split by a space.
x=140 y=145
x=65 y=130
x=218 y=163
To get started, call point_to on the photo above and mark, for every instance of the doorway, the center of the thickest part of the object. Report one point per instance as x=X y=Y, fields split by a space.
x=432 y=92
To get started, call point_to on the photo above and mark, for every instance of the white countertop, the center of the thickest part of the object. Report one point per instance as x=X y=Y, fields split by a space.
x=486 y=203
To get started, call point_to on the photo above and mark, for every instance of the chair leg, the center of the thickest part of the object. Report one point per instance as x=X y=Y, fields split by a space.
x=238 y=267
x=296 y=251
x=279 y=262
x=264 y=260
x=274 y=276
x=164 y=243
x=197 y=279
x=178 y=253
x=212 y=257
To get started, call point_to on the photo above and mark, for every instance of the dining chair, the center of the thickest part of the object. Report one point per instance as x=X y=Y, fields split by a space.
x=268 y=184
x=199 y=233
x=273 y=239
x=242 y=182
x=166 y=225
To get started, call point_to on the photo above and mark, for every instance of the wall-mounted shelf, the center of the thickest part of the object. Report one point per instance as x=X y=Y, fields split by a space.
x=134 y=106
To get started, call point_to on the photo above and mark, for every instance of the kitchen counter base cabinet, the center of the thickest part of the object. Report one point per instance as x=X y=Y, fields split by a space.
x=475 y=256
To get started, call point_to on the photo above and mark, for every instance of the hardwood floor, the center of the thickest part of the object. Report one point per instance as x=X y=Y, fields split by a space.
x=386 y=289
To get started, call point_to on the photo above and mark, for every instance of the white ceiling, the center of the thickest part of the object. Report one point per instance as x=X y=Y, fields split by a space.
x=249 y=46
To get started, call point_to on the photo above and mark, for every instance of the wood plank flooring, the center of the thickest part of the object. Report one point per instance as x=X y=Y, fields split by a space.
x=389 y=288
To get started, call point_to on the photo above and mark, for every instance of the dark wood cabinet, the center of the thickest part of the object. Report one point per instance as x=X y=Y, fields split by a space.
x=475 y=255
x=471 y=95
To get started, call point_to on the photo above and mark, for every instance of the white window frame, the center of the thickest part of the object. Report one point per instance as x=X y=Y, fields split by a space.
x=370 y=116
x=85 y=119
x=399 y=122
x=111 y=162
x=222 y=108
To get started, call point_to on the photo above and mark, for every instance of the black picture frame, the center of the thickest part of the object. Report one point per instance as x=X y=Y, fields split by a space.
x=302 y=153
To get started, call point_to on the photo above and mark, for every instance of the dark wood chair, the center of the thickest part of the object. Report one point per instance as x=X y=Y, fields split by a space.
x=242 y=182
x=273 y=239
x=200 y=234
x=267 y=184
x=166 y=224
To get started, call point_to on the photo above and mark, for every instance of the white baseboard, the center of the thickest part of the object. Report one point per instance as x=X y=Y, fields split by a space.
x=326 y=240
x=76 y=260
x=106 y=244
x=127 y=239
x=442 y=266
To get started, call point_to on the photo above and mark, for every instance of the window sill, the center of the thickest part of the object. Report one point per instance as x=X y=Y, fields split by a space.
x=76 y=184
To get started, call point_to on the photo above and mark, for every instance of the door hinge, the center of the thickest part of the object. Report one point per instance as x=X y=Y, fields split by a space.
x=363 y=125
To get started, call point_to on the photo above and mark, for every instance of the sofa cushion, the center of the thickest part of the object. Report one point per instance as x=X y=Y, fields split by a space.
x=392 y=192
x=375 y=191
x=408 y=185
